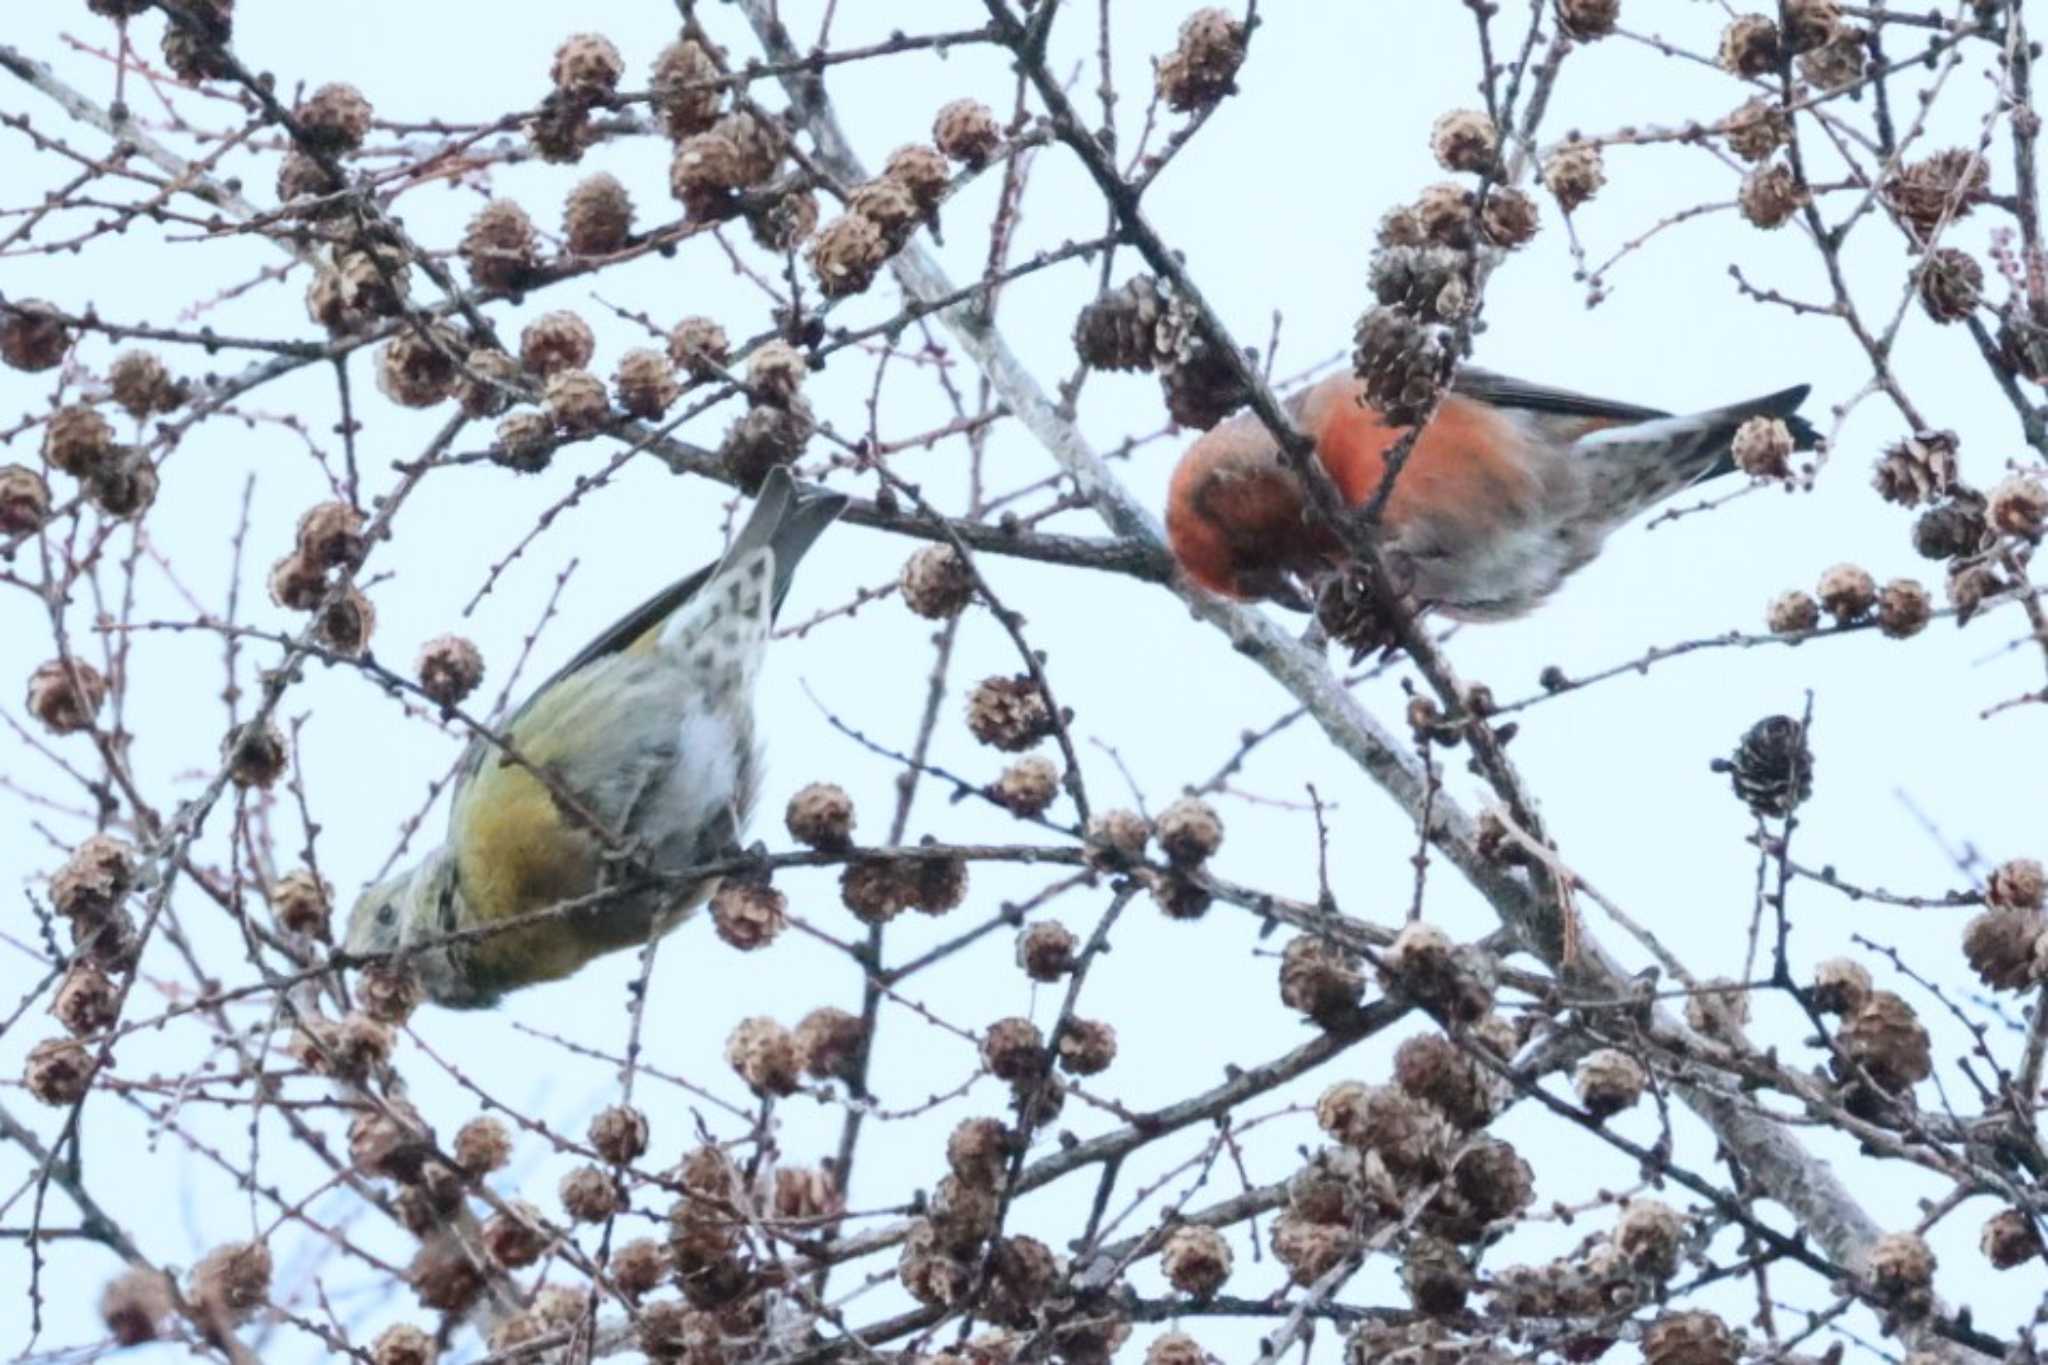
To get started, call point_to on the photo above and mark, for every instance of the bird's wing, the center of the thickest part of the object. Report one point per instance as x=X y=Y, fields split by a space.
x=615 y=638
x=786 y=517
x=1503 y=392
x=634 y=624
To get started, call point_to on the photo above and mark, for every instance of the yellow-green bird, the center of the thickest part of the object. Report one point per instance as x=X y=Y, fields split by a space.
x=649 y=733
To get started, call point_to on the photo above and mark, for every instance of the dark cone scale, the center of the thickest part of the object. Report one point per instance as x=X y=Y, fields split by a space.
x=1772 y=769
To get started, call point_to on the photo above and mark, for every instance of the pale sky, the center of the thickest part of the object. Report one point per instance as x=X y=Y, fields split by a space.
x=1274 y=205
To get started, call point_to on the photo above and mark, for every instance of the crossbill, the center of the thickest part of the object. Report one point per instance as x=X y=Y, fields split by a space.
x=1509 y=489
x=649 y=735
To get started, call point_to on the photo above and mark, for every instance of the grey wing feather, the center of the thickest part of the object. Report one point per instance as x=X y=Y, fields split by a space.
x=1654 y=458
x=1501 y=391
x=1696 y=442
x=1719 y=426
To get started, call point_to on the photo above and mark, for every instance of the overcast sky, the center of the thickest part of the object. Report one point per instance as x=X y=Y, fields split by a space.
x=1274 y=206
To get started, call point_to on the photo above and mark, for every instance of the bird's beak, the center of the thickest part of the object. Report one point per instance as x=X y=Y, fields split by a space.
x=1289 y=594
x=1277 y=586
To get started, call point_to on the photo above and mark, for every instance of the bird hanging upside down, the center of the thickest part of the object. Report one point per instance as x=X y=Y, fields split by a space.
x=1510 y=488
x=649 y=732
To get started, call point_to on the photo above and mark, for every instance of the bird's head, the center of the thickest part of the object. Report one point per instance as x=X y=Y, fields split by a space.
x=382 y=913
x=403 y=912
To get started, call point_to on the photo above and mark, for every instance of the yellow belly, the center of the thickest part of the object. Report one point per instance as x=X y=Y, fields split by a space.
x=517 y=854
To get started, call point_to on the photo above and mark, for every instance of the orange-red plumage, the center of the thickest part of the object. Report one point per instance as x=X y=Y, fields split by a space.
x=1468 y=460
x=1236 y=514
x=1508 y=489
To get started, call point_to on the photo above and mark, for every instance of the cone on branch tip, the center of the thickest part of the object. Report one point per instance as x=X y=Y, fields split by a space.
x=1200 y=385
x=33 y=336
x=1920 y=467
x=1202 y=68
x=1119 y=330
x=1587 y=20
x=966 y=130
x=935 y=583
x=1771 y=769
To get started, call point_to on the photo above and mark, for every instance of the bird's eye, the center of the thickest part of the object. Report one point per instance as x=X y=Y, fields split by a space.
x=386 y=913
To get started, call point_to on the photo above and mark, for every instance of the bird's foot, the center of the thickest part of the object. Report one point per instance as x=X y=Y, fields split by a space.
x=629 y=858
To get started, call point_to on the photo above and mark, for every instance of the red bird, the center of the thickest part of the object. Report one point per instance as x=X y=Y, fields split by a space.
x=1510 y=488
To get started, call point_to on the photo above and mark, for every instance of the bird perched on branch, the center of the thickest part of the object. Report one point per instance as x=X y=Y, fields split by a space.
x=637 y=761
x=1509 y=489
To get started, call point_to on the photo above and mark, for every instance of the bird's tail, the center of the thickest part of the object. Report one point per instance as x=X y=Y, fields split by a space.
x=1784 y=405
x=788 y=518
x=717 y=635
x=1651 y=460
